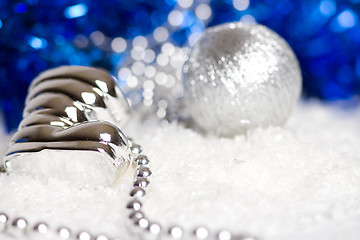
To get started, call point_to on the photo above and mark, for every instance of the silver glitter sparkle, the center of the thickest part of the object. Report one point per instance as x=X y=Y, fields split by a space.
x=240 y=76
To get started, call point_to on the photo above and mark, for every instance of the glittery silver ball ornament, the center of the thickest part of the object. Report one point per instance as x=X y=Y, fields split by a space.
x=238 y=77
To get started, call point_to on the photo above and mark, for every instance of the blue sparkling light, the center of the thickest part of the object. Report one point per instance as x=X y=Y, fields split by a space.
x=198 y=28
x=347 y=18
x=189 y=19
x=37 y=43
x=325 y=35
x=76 y=11
x=327 y=7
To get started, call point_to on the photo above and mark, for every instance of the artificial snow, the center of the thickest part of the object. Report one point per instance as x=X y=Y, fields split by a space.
x=300 y=181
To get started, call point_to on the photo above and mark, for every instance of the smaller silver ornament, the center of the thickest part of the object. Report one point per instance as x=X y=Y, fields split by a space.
x=238 y=77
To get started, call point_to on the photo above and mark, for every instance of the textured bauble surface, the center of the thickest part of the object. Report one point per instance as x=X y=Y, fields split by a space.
x=240 y=76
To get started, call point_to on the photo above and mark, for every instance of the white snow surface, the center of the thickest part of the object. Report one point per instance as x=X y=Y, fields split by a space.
x=300 y=181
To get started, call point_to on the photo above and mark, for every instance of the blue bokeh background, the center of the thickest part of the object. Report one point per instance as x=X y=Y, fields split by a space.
x=40 y=34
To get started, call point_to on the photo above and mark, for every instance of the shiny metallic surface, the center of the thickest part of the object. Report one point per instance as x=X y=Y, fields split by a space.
x=64 y=233
x=19 y=223
x=176 y=232
x=62 y=112
x=141 y=182
x=90 y=87
x=141 y=160
x=154 y=228
x=72 y=88
x=137 y=192
x=3 y=221
x=18 y=227
x=201 y=233
x=135 y=215
x=85 y=136
x=135 y=148
x=143 y=171
x=85 y=74
x=224 y=235
x=83 y=235
x=142 y=223
x=101 y=237
x=41 y=228
x=134 y=205
x=238 y=77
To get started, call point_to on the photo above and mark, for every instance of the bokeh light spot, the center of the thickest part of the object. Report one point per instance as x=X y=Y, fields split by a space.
x=248 y=19
x=203 y=11
x=241 y=5
x=185 y=3
x=327 y=7
x=37 y=43
x=161 y=34
x=347 y=18
x=76 y=11
x=176 y=18
x=118 y=45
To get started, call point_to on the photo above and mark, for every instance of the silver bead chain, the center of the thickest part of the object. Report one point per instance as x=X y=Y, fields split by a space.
x=18 y=227
x=153 y=230
x=143 y=226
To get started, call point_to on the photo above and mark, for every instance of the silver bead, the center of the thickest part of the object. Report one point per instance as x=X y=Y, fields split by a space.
x=3 y=221
x=64 y=233
x=41 y=228
x=136 y=215
x=141 y=182
x=154 y=228
x=142 y=223
x=137 y=192
x=240 y=76
x=83 y=235
x=20 y=223
x=176 y=232
x=224 y=235
x=142 y=160
x=201 y=233
x=136 y=148
x=101 y=237
x=143 y=171
x=134 y=205
x=18 y=227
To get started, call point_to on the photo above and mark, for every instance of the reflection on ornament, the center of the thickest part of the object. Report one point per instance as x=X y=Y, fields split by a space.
x=69 y=132
x=240 y=76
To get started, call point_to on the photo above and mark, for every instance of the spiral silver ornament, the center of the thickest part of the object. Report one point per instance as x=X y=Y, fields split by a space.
x=240 y=76
x=70 y=115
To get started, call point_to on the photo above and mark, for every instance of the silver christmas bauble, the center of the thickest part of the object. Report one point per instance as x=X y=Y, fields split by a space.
x=240 y=76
